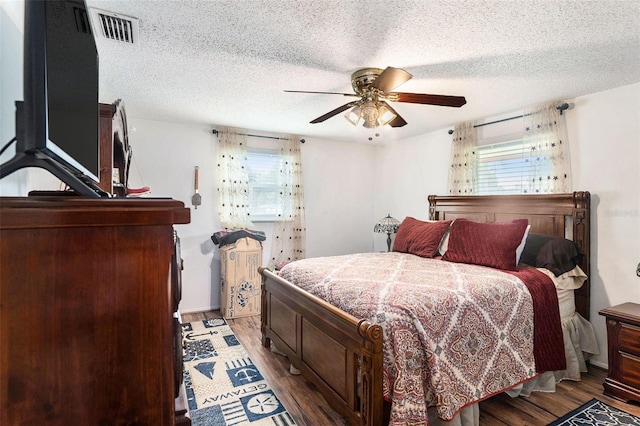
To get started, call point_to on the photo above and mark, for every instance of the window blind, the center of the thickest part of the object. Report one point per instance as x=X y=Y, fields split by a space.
x=265 y=183
x=508 y=167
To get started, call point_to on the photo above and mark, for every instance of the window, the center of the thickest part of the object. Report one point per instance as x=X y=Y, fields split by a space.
x=266 y=182
x=533 y=159
x=511 y=168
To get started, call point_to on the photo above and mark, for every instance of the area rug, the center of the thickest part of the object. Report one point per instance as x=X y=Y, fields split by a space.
x=223 y=385
x=598 y=413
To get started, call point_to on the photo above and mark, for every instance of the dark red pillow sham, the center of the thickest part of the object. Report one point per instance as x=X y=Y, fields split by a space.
x=420 y=238
x=488 y=244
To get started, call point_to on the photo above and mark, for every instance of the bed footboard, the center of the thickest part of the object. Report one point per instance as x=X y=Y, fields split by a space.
x=340 y=354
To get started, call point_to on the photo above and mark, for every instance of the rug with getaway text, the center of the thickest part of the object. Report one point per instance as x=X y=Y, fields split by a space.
x=596 y=413
x=223 y=385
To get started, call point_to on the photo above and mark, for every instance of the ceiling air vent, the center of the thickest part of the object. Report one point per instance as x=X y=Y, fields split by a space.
x=113 y=26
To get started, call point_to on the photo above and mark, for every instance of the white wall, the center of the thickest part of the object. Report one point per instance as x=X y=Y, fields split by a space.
x=339 y=197
x=164 y=158
x=407 y=172
x=604 y=137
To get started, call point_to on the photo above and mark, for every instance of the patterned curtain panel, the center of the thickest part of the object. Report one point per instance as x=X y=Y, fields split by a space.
x=233 y=181
x=289 y=239
x=464 y=157
x=545 y=133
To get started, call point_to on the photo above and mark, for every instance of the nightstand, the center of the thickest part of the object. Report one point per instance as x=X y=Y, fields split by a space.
x=623 y=338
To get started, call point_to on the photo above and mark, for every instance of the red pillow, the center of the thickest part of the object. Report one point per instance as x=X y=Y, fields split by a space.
x=488 y=244
x=420 y=238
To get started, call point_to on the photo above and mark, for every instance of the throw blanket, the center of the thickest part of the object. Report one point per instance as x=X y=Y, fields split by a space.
x=548 y=349
x=454 y=333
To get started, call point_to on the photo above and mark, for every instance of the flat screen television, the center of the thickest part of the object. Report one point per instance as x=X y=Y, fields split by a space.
x=57 y=123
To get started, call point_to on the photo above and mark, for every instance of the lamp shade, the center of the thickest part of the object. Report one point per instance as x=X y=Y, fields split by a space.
x=370 y=115
x=385 y=115
x=354 y=115
x=387 y=225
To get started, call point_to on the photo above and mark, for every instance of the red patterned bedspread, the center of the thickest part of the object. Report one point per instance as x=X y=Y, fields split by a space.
x=454 y=333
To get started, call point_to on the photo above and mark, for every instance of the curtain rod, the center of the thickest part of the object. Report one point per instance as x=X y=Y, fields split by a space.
x=562 y=108
x=215 y=132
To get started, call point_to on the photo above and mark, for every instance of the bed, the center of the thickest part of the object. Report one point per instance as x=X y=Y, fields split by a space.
x=344 y=355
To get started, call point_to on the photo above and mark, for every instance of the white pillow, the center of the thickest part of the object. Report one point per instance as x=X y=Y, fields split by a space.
x=520 y=248
x=444 y=243
x=571 y=280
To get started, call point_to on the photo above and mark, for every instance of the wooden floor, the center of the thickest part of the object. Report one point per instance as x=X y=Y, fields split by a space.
x=309 y=408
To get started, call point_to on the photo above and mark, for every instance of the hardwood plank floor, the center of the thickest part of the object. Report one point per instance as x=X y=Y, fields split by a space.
x=309 y=408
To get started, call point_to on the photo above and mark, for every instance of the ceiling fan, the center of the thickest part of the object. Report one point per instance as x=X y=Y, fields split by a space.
x=374 y=87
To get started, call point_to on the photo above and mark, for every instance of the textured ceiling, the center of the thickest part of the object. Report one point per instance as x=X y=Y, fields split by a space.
x=229 y=62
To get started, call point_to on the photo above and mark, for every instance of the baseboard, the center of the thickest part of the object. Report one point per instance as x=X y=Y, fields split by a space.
x=198 y=310
x=598 y=364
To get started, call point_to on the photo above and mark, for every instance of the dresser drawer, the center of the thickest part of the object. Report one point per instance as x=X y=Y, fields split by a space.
x=629 y=339
x=630 y=369
x=623 y=339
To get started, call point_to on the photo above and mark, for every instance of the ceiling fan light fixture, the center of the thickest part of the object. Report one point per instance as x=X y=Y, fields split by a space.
x=370 y=124
x=354 y=116
x=370 y=115
x=385 y=115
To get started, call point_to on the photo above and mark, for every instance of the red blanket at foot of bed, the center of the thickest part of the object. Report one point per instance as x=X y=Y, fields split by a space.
x=548 y=345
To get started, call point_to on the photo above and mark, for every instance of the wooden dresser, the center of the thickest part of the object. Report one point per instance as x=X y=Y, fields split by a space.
x=88 y=333
x=623 y=337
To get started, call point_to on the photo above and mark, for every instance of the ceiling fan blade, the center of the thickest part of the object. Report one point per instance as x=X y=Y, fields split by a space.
x=391 y=78
x=323 y=93
x=421 y=98
x=334 y=112
x=398 y=121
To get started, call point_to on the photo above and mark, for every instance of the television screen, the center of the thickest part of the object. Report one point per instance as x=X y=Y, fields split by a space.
x=57 y=124
x=72 y=86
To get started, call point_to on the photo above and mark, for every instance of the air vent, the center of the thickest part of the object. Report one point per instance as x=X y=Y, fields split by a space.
x=113 y=26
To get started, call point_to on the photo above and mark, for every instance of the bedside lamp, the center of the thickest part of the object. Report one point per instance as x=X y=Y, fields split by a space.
x=387 y=225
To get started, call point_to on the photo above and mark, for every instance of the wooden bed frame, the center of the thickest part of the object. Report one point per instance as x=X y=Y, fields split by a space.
x=342 y=355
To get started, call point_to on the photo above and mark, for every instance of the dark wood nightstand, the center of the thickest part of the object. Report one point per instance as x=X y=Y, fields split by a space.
x=623 y=337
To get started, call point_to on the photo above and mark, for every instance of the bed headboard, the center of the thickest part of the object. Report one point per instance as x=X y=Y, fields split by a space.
x=564 y=215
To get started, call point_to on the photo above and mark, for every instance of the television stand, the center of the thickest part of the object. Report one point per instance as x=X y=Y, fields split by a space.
x=43 y=193
x=80 y=184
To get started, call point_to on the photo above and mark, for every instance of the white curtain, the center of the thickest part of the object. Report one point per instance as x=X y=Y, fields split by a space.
x=545 y=132
x=289 y=232
x=464 y=158
x=233 y=180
